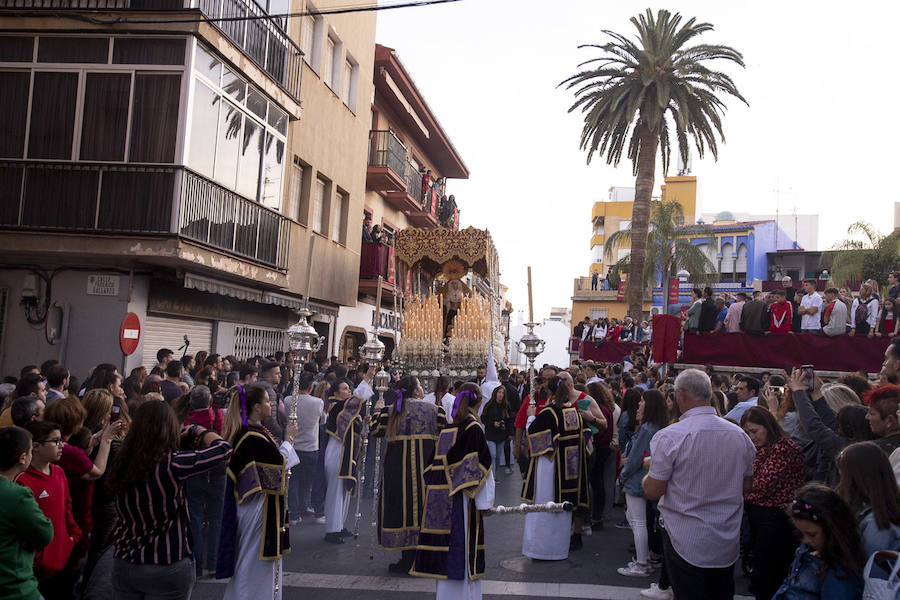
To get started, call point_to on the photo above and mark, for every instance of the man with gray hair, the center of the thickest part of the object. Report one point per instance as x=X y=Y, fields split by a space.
x=700 y=468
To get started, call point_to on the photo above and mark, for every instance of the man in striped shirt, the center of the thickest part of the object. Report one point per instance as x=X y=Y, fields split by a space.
x=700 y=469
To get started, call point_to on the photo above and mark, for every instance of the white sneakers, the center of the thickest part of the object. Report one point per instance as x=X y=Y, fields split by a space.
x=635 y=569
x=656 y=593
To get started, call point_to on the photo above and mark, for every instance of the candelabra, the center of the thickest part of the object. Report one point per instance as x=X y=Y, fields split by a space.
x=371 y=352
x=531 y=346
x=304 y=342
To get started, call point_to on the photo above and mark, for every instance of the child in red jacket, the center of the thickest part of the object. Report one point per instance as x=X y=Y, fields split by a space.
x=781 y=312
x=51 y=490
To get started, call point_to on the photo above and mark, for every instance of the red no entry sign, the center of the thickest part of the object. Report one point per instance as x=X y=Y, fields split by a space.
x=130 y=334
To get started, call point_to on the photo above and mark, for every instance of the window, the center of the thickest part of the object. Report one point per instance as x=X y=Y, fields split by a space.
x=295 y=194
x=204 y=119
x=624 y=224
x=53 y=102
x=148 y=51
x=338 y=210
x=328 y=66
x=15 y=86
x=89 y=111
x=73 y=50
x=307 y=31
x=318 y=216
x=238 y=137
x=154 y=117
x=105 y=116
x=349 y=79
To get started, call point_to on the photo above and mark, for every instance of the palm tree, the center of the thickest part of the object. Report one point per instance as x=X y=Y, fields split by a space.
x=872 y=257
x=669 y=248
x=653 y=87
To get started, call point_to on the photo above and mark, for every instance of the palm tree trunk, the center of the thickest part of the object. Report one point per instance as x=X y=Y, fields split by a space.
x=640 y=220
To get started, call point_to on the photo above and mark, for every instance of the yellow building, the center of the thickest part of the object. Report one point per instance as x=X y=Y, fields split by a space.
x=607 y=218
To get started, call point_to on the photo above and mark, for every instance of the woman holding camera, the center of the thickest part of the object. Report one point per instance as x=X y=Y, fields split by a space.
x=153 y=554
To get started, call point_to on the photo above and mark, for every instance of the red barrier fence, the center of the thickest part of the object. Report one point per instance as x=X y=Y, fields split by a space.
x=608 y=352
x=840 y=353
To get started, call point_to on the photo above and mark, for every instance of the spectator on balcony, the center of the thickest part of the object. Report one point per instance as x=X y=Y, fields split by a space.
x=864 y=311
x=733 y=314
x=595 y=277
x=721 y=314
x=789 y=289
x=810 y=307
x=693 y=313
x=781 y=312
x=834 y=314
x=888 y=321
x=377 y=235
x=708 y=311
x=367 y=230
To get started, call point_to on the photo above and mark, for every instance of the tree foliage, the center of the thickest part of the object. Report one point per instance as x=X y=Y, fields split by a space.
x=642 y=92
x=669 y=247
x=865 y=254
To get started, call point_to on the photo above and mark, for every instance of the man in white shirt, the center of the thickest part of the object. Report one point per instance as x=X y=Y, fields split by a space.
x=441 y=389
x=310 y=416
x=700 y=468
x=810 y=319
x=748 y=395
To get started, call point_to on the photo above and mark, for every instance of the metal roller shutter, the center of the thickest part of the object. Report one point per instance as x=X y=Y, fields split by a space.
x=166 y=332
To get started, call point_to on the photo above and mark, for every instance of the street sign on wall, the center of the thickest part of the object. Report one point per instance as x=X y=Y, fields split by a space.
x=130 y=334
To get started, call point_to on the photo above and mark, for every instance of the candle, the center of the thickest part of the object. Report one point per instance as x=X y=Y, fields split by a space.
x=530 y=305
x=378 y=306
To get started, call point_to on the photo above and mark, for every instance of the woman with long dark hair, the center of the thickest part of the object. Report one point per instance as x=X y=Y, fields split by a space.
x=153 y=555
x=411 y=427
x=652 y=415
x=828 y=564
x=496 y=419
x=255 y=533
x=868 y=485
x=778 y=470
x=558 y=472
x=457 y=498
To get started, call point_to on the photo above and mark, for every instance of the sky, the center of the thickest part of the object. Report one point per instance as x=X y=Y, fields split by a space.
x=819 y=134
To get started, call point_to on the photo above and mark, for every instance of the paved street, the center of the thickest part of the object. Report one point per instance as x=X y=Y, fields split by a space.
x=335 y=572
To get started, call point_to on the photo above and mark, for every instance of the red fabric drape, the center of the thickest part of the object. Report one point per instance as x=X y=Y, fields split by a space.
x=840 y=353
x=666 y=333
x=610 y=352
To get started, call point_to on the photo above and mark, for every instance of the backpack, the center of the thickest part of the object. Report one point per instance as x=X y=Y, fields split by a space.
x=860 y=315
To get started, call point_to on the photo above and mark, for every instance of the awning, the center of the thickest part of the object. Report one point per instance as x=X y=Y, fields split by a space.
x=240 y=292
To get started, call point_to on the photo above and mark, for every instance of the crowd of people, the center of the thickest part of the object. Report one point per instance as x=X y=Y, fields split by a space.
x=163 y=477
x=789 y=310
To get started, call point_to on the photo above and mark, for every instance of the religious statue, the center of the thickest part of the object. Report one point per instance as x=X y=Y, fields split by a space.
x=452 y=293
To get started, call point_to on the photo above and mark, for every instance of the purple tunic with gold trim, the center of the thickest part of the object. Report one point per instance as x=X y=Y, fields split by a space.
x=559 y=433
x=343 y=427
x=409 y=450
x=462 y=464
x=256 y=467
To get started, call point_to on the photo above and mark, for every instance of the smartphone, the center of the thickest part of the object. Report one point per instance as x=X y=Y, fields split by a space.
x=115 y=414
x=778 y=389
x=808 y=377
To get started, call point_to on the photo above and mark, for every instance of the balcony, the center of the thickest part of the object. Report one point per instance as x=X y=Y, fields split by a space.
x=140 y=200
x=375 y=260
x=386 y=170
x=262 y=40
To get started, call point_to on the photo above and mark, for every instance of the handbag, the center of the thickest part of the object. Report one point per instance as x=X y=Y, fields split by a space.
x=882 y=581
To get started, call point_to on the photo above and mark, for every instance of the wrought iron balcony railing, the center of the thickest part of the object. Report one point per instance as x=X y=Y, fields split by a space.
x=140 y=200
